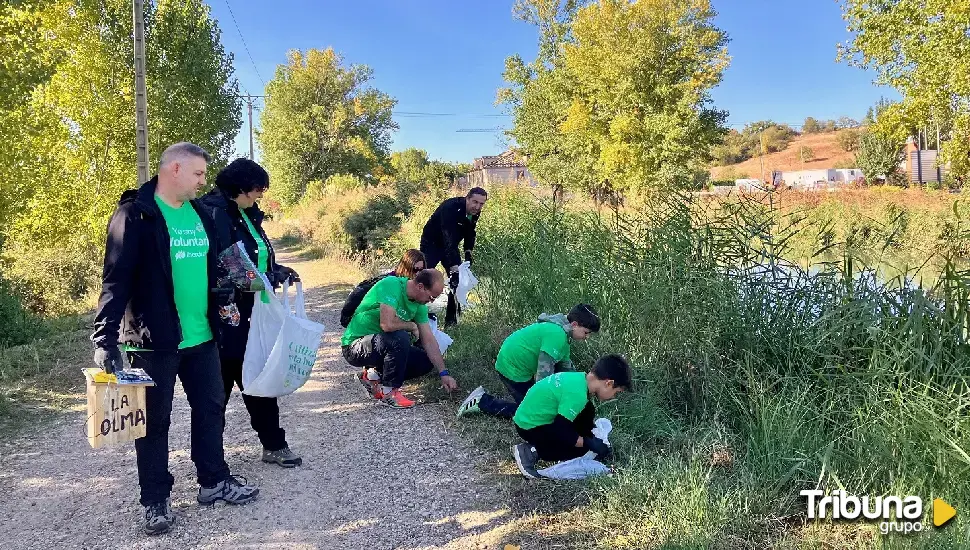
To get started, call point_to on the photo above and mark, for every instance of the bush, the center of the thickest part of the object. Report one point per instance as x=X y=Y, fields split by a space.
x=806 y=153
x=849 y=139
x=19 y=325
x=371 y=226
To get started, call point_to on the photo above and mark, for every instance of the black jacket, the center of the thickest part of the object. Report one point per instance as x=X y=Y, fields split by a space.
x=446 y=227
x=137 y=304
x=220 y=207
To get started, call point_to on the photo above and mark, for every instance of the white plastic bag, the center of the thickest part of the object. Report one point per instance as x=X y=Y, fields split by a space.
x=466 y=282
x=586 y=465
x=577 y=468
x=443 y=339
x=282 y=346
x=440 y=304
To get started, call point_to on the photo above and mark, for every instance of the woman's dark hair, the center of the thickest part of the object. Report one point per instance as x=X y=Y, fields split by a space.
x=615 y=368
x=585 y=316
x=405 y=268
x=242 y=176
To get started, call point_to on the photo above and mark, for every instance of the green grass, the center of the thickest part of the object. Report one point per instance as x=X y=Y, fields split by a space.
x=750 y=387
x=751 y=384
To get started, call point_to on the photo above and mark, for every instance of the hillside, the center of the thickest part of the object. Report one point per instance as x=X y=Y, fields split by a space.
x=828 y=154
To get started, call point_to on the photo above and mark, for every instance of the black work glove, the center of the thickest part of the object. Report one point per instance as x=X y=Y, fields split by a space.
x=283 y=273
x=109 y=359
x=468 y=256
x=598 y=446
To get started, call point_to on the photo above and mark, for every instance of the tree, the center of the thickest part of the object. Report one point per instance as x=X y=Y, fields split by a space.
x=732 y=150
x=846 y=122
x=920 y=48
x=409 y=164
x=773 y=136
x=811 y=126
x=321 y=119
x=623 y=102
x=849 y=139
x=806 y=153
x=879 y=157
x=185 y=41
x=73 y=128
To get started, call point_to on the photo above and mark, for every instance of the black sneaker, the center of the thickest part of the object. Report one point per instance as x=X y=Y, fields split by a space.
x=526 y=458
x=231 y=491
x=283 y=457
x=159 y=518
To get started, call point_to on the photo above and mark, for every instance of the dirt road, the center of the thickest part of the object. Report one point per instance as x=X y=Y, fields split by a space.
x=412 y=484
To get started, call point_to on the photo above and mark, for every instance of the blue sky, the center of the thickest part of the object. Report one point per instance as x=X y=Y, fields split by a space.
x=447 y=57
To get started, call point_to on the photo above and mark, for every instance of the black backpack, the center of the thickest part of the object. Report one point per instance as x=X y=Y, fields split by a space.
x=356 y=297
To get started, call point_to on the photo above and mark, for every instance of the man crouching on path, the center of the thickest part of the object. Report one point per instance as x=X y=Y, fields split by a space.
x=159 y=266
x=378 y=337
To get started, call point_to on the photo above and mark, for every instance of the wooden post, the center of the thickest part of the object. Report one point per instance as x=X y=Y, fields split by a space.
x=141 y=95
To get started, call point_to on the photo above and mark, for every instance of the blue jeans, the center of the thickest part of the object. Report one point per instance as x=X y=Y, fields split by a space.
x=505 y=408
x=391 y=354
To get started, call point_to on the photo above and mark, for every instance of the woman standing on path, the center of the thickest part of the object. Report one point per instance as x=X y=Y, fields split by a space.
x=238 y=187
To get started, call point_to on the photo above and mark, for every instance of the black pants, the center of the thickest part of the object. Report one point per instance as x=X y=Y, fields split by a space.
x=198 y=369
x=505 y=408
x=391 y=354
x=264 y=412
x=557 y=441
x=432 y=257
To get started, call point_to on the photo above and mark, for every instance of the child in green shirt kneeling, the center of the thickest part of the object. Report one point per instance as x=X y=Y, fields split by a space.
x=556 y=417
x=531 y=354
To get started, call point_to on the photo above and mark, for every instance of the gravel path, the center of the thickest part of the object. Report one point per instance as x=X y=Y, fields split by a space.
x=412 y=484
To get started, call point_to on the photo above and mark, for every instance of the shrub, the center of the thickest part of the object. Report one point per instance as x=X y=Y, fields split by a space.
x=371 y=225
x=849 y=139
x=806 y=153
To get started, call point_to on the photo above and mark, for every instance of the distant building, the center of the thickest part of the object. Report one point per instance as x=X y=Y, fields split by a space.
x=815 y=179
x=506 y=168
x=920 y=165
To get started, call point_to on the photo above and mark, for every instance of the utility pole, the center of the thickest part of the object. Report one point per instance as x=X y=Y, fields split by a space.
x=761 y=140
x=249 y=104
x=141 y=95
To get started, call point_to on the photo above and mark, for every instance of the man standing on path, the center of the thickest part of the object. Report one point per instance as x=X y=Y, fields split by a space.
x=378 y=338
x=159 y=266
x=453 y=221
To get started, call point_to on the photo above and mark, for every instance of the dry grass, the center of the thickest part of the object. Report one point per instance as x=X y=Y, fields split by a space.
x=826 y=147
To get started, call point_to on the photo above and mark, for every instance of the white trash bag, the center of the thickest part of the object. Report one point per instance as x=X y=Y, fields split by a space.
x=466 y=282
x=443 y=339
x=586 y=465
x=440 y=304
x=282 y=345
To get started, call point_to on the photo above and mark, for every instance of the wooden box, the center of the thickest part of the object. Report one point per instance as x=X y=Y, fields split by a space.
x=116 y=412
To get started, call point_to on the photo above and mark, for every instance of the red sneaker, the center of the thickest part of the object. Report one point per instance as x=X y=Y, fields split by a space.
x=396 y=400
x=371 y=386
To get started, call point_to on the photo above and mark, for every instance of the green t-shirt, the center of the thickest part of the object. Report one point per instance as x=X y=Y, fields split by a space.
x=563 y=393
x=262 y=252
x=391 y=291
x=518 y=358
x=189 y=246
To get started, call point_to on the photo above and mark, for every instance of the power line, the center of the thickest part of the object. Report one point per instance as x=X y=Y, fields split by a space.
x=253 y=61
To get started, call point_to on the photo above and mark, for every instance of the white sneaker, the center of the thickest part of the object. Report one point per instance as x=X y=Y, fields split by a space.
x=470 y=404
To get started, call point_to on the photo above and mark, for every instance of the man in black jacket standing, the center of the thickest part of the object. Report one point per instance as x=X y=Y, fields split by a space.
x=159 y=267
x=453 y=221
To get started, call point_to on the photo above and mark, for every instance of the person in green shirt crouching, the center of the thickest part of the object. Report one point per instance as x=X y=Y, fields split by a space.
x=378 y=337
x=531 y=354
x=556 y=417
